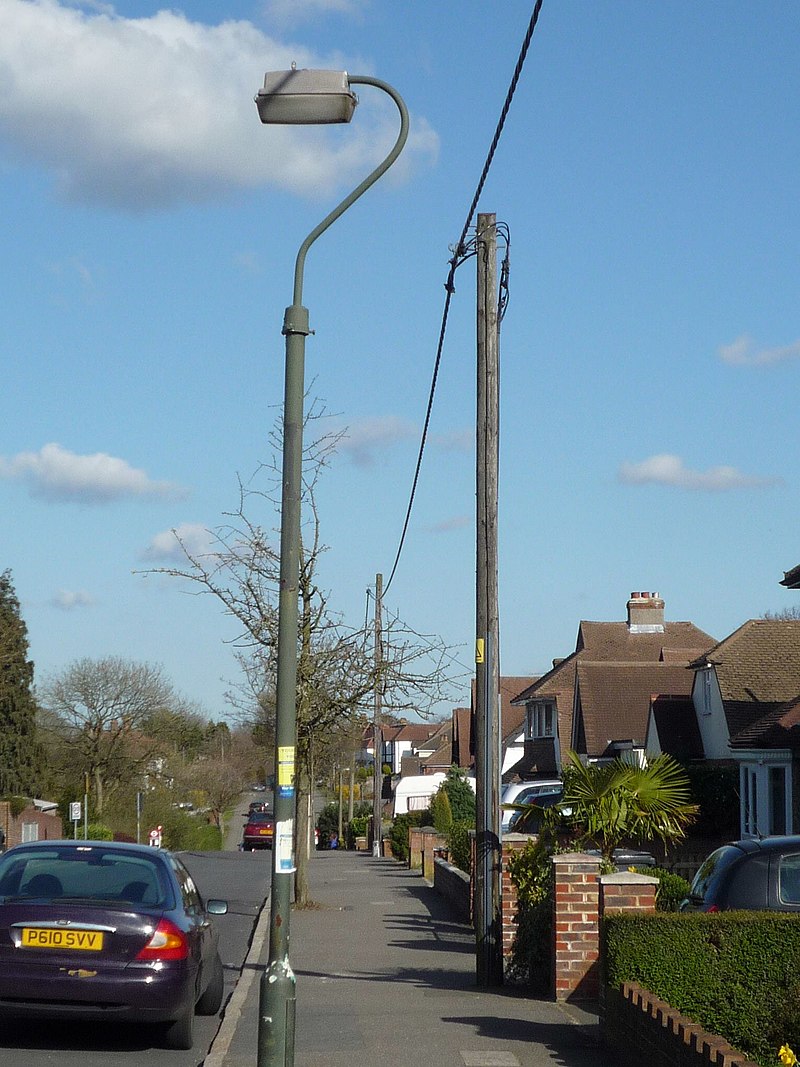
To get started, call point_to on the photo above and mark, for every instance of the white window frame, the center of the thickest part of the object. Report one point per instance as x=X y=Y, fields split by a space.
x=756 y=815
x=540 y=719
x=30 y=832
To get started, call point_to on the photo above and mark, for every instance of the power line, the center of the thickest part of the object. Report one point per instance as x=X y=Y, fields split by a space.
x=460 y=254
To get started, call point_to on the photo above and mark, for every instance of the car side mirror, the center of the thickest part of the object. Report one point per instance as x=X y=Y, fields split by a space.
x=217 y=907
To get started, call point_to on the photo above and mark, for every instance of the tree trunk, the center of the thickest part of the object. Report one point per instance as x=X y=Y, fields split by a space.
x=302 y=826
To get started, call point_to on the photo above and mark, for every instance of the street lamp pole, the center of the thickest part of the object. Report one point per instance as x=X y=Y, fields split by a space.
x=292 y=97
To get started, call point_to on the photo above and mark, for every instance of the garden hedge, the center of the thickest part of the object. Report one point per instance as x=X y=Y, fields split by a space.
x=737 y=974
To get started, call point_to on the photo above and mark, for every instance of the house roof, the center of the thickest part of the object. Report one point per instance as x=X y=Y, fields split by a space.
x=778 y=727
x=676 y=722
x=758 y=663
x=614 y=643
x=410 y=731
x=557 y=685
x=613 y=700
x=512 y=716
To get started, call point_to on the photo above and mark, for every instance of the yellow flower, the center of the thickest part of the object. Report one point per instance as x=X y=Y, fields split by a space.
x=786 y=1056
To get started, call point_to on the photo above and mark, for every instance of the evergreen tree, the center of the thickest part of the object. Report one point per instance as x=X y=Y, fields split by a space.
x=19 y=750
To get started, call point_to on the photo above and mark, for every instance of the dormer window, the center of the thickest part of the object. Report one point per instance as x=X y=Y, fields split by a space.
x=540 y=719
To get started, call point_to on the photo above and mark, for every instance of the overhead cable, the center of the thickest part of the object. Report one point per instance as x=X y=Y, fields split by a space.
x=460 y=253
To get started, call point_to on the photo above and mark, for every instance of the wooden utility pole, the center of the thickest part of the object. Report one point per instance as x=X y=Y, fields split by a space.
x=377 y=733
x=488 y=917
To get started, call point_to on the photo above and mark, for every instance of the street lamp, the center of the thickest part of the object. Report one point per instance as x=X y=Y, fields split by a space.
x=297 y=97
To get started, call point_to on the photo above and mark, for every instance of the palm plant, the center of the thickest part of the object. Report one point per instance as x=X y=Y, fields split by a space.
x=606 y=804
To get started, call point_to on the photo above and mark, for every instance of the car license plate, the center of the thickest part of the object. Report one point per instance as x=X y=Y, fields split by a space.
x=267 y=832
x=84 y=940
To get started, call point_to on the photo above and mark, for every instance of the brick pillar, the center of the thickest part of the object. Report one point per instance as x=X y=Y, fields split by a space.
x=431 y=840
x=627 y=891
x=576 y=935
x=415 y=847
x=508 y=891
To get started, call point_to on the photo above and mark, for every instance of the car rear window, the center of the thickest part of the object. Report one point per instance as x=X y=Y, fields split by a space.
x=789 y=879
x=260 y=816
x=86 y=873
x=707 y=880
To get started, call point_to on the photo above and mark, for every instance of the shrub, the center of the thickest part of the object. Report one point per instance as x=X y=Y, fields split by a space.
x=441 y=812
x=672 y=888
x=459 y=846
x=97 y=831
x=328 y=823
x=398 y=835
x=461 y=796
x=531 y=955
x=737 y=974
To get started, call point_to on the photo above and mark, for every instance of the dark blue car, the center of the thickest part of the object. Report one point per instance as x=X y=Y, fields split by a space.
x=754 y=873
x=97 y=930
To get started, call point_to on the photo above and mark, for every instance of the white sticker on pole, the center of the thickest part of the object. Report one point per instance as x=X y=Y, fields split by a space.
x=283 y=845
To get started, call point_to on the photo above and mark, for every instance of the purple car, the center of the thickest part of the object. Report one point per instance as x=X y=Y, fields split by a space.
x=98 y=930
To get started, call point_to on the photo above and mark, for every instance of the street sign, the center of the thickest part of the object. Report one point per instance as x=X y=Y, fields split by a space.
x=75 y=811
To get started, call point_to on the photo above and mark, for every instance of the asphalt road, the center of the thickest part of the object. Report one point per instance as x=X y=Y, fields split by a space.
x=241 y=878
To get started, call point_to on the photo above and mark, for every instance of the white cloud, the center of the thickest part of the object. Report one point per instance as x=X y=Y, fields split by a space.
x=70 y=599
x=143 y=113
x=365 y=438
x=667 y=469
x=744 y=353
x=57 y=474
x=166 y=545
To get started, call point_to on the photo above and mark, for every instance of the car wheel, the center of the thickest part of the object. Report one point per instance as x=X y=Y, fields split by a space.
x=211 y=1000
x=179 y=1034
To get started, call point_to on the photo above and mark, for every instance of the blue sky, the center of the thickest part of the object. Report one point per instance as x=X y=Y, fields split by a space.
x=650 y=353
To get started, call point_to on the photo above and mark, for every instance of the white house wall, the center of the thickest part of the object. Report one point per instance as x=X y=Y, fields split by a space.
x=710 y=714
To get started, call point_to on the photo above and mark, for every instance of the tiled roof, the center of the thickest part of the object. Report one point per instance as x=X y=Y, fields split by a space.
x=778 y=727
x=614 y=699
x=759 y=662
x=614 y=641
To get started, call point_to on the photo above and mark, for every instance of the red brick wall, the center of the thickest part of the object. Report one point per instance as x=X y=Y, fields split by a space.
x=640 y=1028
x=49 y=825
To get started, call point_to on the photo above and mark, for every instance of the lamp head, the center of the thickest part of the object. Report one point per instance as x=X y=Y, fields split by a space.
x=306 y=97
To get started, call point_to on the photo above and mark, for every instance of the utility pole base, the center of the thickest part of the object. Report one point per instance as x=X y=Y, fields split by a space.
x=277 y=1004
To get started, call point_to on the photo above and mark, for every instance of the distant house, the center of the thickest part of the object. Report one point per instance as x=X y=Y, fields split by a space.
x=597 y=700
x=511 y=718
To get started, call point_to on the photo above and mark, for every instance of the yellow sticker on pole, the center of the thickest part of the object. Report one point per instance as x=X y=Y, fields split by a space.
x=286 y=765
x=479 y=645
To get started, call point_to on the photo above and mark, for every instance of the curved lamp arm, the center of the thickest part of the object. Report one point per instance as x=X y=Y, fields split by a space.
x=362 y=188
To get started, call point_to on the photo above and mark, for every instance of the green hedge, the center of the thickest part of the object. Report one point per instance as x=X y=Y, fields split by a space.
x=737 y=974
x=398 y=835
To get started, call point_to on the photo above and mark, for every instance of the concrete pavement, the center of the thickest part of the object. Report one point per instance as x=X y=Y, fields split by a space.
x=386 y=977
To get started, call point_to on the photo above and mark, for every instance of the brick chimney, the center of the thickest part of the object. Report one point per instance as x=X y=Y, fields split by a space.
x=646 y=613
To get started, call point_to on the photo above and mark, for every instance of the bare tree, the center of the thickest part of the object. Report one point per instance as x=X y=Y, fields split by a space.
x=99 y=707
x=336 y=676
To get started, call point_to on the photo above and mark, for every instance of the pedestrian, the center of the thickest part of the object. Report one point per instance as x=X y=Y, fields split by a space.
x=334 y=840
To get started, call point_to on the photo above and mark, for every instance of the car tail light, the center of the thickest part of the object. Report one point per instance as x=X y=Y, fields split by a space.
x=712 y=907
x=167 y=943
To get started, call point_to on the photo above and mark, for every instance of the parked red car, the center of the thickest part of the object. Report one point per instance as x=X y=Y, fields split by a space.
x=259 y=831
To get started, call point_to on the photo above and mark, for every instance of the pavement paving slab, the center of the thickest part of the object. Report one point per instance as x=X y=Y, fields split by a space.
x=386 y=978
